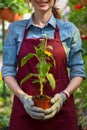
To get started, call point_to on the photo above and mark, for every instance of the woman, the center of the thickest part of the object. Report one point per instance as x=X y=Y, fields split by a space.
x=65 y=39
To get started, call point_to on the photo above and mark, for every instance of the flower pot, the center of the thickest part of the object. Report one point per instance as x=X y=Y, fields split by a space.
x=84 y=2
x=42 y=101
x=8 y=15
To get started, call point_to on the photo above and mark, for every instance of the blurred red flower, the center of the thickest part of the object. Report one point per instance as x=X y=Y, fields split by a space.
x=77 y=7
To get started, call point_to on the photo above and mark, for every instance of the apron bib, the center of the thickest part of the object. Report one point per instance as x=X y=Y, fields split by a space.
x=66 y=118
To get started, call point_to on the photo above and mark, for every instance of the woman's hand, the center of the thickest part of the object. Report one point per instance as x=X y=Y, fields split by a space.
x=57 y=102
x=34 y=112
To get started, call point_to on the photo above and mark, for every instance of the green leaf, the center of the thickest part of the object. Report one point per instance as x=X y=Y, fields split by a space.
x=85 y=105
x=50 y=47
x=43 y=67
x=26 y=78
x=51 y=80
x=26 y=58
x=35 y=81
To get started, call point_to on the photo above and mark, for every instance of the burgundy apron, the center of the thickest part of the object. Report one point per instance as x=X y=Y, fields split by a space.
x=64 y=120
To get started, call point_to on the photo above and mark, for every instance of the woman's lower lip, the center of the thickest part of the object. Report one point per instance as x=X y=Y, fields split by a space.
x=42 y=3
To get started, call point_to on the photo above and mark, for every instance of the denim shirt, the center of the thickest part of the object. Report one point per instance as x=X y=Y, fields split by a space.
x=69 y=35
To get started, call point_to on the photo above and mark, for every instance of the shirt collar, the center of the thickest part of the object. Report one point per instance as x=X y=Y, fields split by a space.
x=52 y=22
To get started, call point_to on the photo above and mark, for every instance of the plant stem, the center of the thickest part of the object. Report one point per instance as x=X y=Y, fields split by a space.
x=41 y=88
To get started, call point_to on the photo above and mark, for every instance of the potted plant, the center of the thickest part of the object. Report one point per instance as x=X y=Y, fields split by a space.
x=8 y=9
x=84 y=2
x=43 y=74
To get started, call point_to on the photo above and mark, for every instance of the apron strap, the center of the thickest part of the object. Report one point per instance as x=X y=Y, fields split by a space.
x=56 y=34
x=25 y=33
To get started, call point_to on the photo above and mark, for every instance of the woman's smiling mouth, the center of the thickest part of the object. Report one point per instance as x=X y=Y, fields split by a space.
x=42 y=3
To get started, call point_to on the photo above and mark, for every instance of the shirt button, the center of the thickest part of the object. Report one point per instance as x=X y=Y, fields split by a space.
x=42 y=31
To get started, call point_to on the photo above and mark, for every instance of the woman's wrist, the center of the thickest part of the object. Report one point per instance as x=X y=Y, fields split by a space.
x=66 y=93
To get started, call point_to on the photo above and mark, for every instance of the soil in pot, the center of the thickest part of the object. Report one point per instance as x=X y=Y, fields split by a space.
x=42 y=101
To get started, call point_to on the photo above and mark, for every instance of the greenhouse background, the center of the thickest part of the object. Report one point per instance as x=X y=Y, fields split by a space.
x=72 y=10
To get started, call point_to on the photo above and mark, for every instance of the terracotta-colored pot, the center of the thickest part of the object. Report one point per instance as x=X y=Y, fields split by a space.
x=84 y=2
x=8 y=15
x=42 y=102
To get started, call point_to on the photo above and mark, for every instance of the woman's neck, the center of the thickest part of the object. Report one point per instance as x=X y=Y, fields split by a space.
x=40 y=19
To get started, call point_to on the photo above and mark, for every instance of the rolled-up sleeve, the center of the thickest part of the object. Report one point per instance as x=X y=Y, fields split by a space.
x=76 y=63
x=10 y=53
